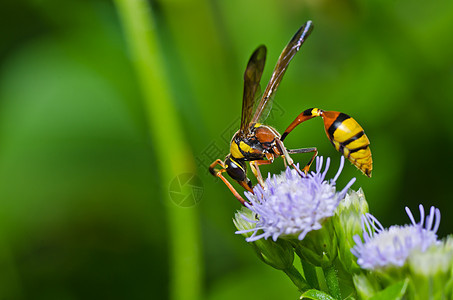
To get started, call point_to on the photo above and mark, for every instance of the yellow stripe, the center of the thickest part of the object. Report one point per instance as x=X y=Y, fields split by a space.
x=244 y=147
x=347 y=130
x=336 y=145
x=362 y=141
x=362 y=159
x=234 y=150
x=361 y=153
x=238 y=164
x=346 y=152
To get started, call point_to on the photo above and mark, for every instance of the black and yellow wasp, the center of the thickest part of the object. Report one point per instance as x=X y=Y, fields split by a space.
x=259 y=144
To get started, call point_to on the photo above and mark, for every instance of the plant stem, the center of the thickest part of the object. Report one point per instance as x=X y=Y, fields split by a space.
x=297 y=279
x=173 y=155
x=310 y=274
x=330 y=273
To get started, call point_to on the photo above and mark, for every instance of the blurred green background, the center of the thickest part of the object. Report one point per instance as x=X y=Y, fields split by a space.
x=82 y=202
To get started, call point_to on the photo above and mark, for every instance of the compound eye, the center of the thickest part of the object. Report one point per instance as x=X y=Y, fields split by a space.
x=235 y=170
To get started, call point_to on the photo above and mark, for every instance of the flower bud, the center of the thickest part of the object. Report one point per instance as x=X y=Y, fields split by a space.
x=319 y=247
x=366 y=285
x=347 y=223
x=431 y=271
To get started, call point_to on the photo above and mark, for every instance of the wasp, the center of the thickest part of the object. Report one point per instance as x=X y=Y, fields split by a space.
x=259 y=144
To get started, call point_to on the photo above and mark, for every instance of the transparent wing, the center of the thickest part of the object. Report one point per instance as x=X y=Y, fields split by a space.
x=263 y=107
x=252 y=77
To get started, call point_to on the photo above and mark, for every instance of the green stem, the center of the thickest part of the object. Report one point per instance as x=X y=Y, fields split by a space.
x=330 y=273
x=297 y=279
x=173 y=154
x=12 y=282
x=310 y=274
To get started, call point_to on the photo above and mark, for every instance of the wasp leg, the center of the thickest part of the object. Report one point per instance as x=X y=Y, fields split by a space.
x=256 y=172
x=305 y=150
x=218 y=173
x=212 y=169
x=281 y=150
x=254 y=165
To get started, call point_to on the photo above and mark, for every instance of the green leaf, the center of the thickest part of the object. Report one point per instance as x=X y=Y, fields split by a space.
x=316 y=295
x=393 y=292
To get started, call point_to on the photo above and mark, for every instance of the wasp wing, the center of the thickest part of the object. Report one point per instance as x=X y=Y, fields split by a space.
x=287 y=54
x=252 y=77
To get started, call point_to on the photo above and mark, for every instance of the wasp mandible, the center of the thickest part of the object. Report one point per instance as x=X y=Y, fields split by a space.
x=259 y=144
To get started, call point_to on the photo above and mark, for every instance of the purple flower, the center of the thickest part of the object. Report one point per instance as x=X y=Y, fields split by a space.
x=392 y=246
x=293 y=205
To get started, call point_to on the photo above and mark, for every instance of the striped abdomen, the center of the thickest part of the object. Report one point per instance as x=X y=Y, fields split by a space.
x=349 y=139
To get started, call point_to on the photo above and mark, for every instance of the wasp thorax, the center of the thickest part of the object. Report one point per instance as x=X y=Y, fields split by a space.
x=239 y=147
x=266 y=134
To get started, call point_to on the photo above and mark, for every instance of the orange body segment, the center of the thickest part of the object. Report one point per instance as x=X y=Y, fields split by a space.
x=345 y=134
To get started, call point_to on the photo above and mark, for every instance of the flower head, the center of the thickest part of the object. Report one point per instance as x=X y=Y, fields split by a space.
x=279 y=254
x=292 y=205
x=391 y=247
